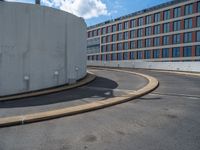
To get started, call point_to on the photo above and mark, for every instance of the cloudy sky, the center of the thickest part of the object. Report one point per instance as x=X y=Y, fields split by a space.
x=97 y=11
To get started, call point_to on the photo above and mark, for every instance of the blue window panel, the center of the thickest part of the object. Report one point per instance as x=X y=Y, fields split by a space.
x=197 y=51
x=187 y=51
x=119 y=56
x=126 y=46
x=139 y=54
x=198 y=36
x=114 y=56
x=188 y=9
x=108 y=57
x=165 y=53
x=176 y=52
x=103 y=57
x=132 y=55
x=126 y=56
x=156 y=53
x=147 y=54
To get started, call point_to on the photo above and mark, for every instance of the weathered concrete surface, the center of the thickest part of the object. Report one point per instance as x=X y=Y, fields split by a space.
x=40 y=47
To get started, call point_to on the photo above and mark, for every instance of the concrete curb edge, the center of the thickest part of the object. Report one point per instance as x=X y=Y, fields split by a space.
x=30 y=118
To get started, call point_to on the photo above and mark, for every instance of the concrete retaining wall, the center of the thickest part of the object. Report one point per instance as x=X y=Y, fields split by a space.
x=40 y=47
x=180 y=66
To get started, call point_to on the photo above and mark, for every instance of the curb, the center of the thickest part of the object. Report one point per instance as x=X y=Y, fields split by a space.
x=178 y=72
x=87 y=79
x=30 y=118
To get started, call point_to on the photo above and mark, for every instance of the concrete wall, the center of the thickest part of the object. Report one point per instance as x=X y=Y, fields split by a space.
x=46 y=45
x=178 y=66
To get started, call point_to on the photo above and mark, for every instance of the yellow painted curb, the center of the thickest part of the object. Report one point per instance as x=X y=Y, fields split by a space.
x=23 y=119
x=89 y=78
x=178 y=72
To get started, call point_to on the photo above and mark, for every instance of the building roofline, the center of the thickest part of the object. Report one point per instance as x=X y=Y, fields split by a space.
x=160 y=6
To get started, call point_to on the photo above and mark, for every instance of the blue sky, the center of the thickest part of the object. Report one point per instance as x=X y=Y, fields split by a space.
x=97 y=11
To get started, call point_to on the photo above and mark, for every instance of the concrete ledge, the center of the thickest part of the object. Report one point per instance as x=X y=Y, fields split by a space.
x=89 y=78
x=30 y=118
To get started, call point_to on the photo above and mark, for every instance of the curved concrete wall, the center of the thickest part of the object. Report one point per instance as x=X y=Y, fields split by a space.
x=40 y=47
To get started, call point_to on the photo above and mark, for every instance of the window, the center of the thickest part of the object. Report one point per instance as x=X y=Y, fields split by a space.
x=132 y=32
x=108 y=38
x=132 y=55
x=139 y=43
x=198 y=21
x=140 y=21
x=103 y=39
x=157 y=17
x=114 y=28
x=99 y=31
x=119 y=26
x=114 y=56
x=157 y=29
x=198 y=6
x=187 y=51
x=119 y=56
x=126 y=46
x=166 y=27
x=133 y=23
x=120 y=36
x=176 y=52
x=177 y=25
x=103 y=48
x=188 y=23
x=147 y=54
x=132 y=44
x=103 y=57
x=165 y=53
x=126 y=56
x=119 y=46
x=140 y=32
x=90 y=34
x=156 y=41
x=104 y=30
x=176 y=39
x=148 y=31
x=108 y=48
x=198 y=36
x=125 y=35
x=108 y=57
x=114 y=47
x=166 y=14
x=139 y=54
x=109 y=29
x=188 y=37
x=114 y=38
x=126 y=25
x=188 y=9
x=166 y=40
x=148 y=19
x=95 y=32
x=148 y=42
x=177 y=12
x=197 y=50
x=156 y=53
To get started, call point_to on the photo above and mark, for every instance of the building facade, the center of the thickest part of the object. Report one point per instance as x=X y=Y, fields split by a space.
x=169 y=32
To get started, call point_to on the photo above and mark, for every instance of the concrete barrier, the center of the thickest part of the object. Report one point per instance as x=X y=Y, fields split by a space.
x=40 y=47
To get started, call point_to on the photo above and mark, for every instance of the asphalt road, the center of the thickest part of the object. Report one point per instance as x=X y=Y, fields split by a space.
x=166 y=119
x=106 y=85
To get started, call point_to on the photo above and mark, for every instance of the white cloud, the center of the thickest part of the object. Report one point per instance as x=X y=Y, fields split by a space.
x=82 y=8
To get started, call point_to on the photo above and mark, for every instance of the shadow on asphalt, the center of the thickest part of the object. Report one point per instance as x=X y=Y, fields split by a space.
x=99 y=88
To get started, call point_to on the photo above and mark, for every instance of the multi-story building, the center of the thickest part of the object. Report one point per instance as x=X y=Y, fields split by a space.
x=167 y=32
